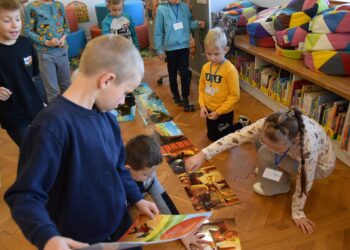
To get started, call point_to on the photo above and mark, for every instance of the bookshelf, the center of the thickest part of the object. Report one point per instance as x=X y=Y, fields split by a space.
x=335 y=84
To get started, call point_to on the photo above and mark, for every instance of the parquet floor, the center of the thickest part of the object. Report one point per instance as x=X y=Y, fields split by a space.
x=263 y=223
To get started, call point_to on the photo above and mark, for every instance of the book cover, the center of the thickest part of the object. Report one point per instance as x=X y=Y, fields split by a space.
x=168 y=129
x=207 y=189
x=221 y=234
x=124 y=113
x=175 y=145
x=163 y=228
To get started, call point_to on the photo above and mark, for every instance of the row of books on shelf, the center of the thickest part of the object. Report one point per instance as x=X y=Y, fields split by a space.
x=327 y=108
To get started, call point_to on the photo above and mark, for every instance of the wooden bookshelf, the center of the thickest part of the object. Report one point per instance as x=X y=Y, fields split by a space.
x=336 y=84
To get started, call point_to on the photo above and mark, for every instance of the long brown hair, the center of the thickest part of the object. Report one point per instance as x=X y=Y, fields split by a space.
x=286 y=126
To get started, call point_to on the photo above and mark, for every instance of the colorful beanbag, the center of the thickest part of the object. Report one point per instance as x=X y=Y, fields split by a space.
x=266 y=42
x=329 y=62
x=292 y=37
x=298 y=12
x=330 y=41
x=290 y=52
x=331 y=22
x=261 y=28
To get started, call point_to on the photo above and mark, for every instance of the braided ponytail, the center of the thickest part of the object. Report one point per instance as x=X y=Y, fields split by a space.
x=301 y=127
x=286 y=126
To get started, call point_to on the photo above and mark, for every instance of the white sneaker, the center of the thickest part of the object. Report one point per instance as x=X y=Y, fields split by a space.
x=258 y=189
x=244 y=120
x=256 y=171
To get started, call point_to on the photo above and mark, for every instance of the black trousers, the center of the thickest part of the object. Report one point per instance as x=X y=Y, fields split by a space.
x=222 y=126
x=178 y=60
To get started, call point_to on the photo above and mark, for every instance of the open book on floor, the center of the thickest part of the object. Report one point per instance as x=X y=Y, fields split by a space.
x=163 y=228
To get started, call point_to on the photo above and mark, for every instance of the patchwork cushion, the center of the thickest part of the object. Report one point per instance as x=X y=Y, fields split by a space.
x=331 y=22
x=242 y=10
x=261 y=28
x=293 y=36
x=290 y=52
x=330 y=41
x=329 y=62
x=266 y=42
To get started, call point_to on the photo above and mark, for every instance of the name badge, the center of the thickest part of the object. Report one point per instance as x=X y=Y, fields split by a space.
x=272 y=174
x=209 y=90
x=178 y=26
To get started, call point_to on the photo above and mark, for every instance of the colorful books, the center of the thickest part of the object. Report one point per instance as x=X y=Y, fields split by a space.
x=124 y=113
x=221 y=234
x=163 y=228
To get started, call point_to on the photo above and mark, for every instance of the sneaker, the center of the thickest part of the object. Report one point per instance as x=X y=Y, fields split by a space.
x=177 y=100
x=258 y=189
x=244 y=120
x=256 y=171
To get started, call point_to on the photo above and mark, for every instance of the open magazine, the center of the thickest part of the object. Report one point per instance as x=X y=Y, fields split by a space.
x=163 y=228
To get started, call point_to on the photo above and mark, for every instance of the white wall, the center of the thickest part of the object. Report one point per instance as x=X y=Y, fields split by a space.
x=270 y=3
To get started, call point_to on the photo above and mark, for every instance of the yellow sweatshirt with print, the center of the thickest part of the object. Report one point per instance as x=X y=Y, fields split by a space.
x=225 y=87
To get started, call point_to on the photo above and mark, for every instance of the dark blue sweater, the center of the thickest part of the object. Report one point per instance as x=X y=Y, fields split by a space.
x=71 y=176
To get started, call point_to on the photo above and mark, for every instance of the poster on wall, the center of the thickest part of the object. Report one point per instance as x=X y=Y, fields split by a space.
x=81 y=11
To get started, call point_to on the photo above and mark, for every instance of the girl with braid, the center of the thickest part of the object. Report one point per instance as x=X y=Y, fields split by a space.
x=291 y=144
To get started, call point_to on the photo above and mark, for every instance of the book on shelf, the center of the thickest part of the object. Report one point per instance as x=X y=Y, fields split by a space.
x=163 y=228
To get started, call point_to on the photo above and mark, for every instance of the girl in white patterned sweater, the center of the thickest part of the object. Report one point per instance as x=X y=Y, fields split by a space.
x=292 y=144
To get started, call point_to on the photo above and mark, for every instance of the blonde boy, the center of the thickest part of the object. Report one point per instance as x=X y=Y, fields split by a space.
x=219 y=88
x=72 y=186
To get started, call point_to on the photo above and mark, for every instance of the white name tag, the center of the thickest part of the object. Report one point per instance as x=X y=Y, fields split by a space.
x=178 y=26
x=209 y=90
x=272 y=174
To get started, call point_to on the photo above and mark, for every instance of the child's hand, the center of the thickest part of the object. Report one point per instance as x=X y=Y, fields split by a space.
x=148 y=208
x=213 y=116
x=306 y=225
x=194 y=241
x=161 y=57
x=204 y=112
x=54 y=42
x=63 y=243
x=63 y=40
x=5 y=94
x=195 y=162
x=201 y=24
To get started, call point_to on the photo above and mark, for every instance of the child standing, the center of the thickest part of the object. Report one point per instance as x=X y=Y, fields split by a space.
x=172 y=35
x=143 y=156
x=119 y=23
x=292 y=144
x=47 y=26
x=20 y=100
x=219 y=88
x=72 y=183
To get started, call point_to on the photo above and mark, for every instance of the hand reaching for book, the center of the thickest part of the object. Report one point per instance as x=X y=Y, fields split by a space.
x=194 y=162
x=148 y=208
x=63 y=243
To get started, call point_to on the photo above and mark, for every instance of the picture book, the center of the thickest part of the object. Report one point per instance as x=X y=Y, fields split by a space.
x=168 y=129
x=175 y=145
x=161 y=229
x=221 y=234
x=124 y=113
x=177 y=160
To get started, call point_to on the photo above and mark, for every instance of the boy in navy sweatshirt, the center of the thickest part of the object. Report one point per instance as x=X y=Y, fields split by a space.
x=72 y=188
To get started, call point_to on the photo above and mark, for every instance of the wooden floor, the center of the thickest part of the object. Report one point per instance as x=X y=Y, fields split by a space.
x=263 y=223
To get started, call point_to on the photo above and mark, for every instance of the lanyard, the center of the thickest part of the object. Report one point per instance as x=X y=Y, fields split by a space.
x=278 y=161
x=177 y=11
x=216 y=71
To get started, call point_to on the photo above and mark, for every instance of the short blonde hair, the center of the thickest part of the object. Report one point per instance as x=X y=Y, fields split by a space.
x=112 y=53
x=10 y=5
x=215 y=38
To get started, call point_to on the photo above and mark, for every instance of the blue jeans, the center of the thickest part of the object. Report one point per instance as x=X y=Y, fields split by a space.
x=18 y=134
x=55 y=71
